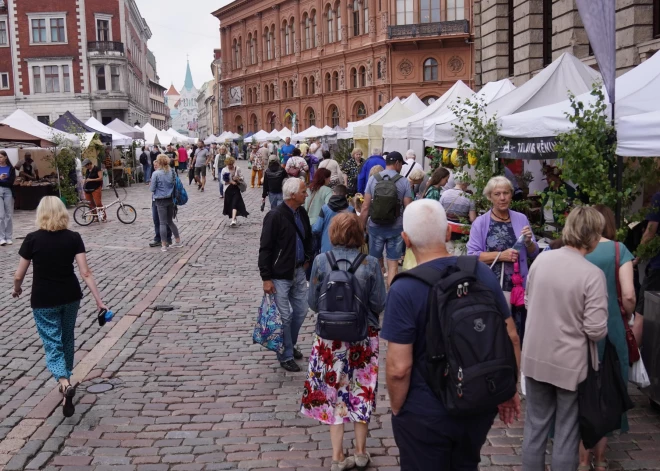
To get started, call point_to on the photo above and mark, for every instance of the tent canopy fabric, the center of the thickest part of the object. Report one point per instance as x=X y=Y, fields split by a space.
x=413 y=103
x=153 y=136
x=11 y=135
x=69 y=123
x=118 y=139
x=123 y=128
x=372 y=129
x=551 y=85
x=260 y=136
x=639 y=135
x=180 y=138
x=22 y=121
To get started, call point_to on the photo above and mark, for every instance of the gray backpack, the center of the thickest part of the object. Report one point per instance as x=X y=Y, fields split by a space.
x=385 y=205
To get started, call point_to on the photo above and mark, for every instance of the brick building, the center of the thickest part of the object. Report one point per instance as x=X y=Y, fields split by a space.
x=335 y=61
x=83 y=56
x=517 y=38
x=160 y=113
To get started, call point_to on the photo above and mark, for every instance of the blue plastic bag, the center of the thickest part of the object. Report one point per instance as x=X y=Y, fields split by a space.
x=268 y=330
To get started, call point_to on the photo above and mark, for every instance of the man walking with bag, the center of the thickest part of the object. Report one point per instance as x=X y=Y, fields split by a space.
x=285 y=252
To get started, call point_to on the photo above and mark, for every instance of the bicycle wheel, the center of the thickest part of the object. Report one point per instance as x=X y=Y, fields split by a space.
x=83 y=215
x=126 y=214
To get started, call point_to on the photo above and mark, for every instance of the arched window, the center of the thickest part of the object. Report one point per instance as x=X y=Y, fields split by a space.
x=430 y=70
x=235 y=52
x=429 y=100
x=238 y=123
x=308 y=31
x=328 y=82
x=292 y=30
x=266 y=93
x=315 y=41
x=356 y=18
x=251 y=41
x=247 y=48
x=291 y=94
x=269 y=44
x=338 y=16
x=239 y=45
x=249 y=97
x=272 y=91
x=305 y=87
x=360 y=111
x=365 y=17
x=354 y=78
x=271 y=121
x=284 y=90
x=331 y=25
x=312 y=86
x=363 y=77
x=379 y=70
x=334 y=116
x=311 y=117
x=255 y=123
x=287 y=39
x=335 y=80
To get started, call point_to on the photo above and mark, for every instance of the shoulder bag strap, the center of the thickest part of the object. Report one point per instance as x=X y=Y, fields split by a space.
x=617 y=260
x=412 y=166
x=331 y=260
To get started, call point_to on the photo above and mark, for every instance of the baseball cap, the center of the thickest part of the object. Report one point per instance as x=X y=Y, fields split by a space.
x=394 y=157
x=86 y=162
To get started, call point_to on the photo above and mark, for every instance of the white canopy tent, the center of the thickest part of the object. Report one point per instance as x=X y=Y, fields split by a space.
x=550 y=86
x=274 y=136
x=22 y=121
x=413 y=103
x=210 y=140
x=308 y=133
x=348 y=132
x=284 y=133
x=123 y=128
x=180 y=138
x=153 y=136
x=260 y=136
x=369 y=134
x=118 y=139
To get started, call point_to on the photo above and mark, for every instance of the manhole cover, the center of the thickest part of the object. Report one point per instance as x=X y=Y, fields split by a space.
x=163 y=307
x=100 y=388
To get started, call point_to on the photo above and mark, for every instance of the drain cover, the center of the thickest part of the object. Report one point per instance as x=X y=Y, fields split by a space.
x=163 y=307
x=100 y=388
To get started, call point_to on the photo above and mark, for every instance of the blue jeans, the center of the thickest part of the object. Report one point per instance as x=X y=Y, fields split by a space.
x=56 y=328
x=156 y=218
x=147 y=173
x=222 y=187
x=275 y=199
x=386 y=237
x=6 y=213
x=291 y=301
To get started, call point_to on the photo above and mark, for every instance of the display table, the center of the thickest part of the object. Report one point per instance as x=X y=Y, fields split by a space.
x=27 y=198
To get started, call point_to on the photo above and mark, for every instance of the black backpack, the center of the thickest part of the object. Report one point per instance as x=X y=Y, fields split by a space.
x=470 y=365
x=385 y=206
x=342 y=312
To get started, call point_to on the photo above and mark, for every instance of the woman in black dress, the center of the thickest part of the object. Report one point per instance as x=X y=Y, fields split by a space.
x=232 y=179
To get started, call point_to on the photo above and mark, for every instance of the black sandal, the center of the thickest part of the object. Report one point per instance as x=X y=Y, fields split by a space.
x=68 y=409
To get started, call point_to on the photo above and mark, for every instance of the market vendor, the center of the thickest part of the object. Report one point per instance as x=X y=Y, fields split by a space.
x=29 y=171
x=556 y=185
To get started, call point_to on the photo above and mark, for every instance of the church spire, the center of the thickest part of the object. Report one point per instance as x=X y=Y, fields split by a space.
x=188 y=84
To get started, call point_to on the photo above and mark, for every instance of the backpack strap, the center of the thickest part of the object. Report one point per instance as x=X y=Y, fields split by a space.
x=331 y=260
x=397 y=178
x=356 y=263
x=424 y=273
x=378 y=177
x=468 y=263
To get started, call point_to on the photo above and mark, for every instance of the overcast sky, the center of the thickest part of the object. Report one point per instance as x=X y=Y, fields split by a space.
x=180 y=29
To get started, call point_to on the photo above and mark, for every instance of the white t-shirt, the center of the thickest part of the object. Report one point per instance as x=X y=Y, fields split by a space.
x=407 y=167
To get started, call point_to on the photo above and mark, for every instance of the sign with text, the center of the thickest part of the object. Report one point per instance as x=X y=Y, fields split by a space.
x=528 y=148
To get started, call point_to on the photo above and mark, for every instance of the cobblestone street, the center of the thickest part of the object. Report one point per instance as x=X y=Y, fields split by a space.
x=190 y=392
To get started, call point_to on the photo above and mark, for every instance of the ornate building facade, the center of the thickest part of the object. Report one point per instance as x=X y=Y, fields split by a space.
x=183 y=106
x=335 y=61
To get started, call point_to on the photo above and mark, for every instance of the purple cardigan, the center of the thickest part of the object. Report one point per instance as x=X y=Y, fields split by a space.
x=479 y=233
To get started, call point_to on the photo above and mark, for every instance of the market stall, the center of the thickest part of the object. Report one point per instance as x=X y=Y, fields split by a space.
x=118 y=139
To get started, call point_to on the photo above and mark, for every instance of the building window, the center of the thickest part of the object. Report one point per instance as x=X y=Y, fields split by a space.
x=305 y=87
x=363 y=77
x=272 y=91
x=255 y=124
x=338 y=16
x=335 y=79
x=455 y=9
x=57 y=30
x=249 y=97
x=311 y=118
x=44 y=120
x=315 y=40
x=103 y=30
x=271 y=122
x=4 y=39
x=293 y=35
x=429 y=100
x=331 y=26
x=365 y=16
x=312 y=86
x=334 y=116
x=100 y=77
x=38 y=31
x=284 y=90
x=308 y=31
x=4 y=81
x=36 y=79
x=114 y=78
x=379 y=71
x=66 y=79
x=360 y=111
x=404 y=12
x=269 y=45
x=354 y=78
x=291 y=95
x=356 y=18
x=266 y=93
x=328 y=82
x=287 y=39
x=547 y=32
x=52 y=76
x=430 y=70
x=430 y=10
x=251 y=46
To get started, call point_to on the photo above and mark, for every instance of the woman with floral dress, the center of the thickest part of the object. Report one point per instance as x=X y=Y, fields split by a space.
x=351 y=169
x=342 y=379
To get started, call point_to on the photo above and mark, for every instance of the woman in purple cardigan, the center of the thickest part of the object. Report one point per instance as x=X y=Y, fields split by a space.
x=494 y=234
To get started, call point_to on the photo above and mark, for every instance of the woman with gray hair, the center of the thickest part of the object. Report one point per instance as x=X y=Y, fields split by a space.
x=494 y=236
x=567 y=312
x=456 y=201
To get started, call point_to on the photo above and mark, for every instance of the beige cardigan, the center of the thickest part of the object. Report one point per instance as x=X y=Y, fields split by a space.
x=566 y=301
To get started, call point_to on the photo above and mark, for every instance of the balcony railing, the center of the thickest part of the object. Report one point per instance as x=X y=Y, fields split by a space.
x=442 y=28
x=104 y=47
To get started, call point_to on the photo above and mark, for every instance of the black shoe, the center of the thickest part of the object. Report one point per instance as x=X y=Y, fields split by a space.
x=297 y=354
x=68 y=409
x=290 y=366
x=154 y=244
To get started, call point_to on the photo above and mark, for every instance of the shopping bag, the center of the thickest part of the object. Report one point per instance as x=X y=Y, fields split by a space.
x=268 y=329
x=638 y=374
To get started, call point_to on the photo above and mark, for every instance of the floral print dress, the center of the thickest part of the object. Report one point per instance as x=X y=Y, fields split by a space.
x=500 y=238
x=351 y=169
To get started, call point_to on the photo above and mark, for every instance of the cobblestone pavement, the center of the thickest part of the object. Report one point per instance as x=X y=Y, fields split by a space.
x=189 y=390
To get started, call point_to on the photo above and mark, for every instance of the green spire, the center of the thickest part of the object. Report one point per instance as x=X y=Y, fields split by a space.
x=188 y=84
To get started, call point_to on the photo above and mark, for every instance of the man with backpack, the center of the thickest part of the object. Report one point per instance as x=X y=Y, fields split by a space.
x=453 y=350
x=386 y=195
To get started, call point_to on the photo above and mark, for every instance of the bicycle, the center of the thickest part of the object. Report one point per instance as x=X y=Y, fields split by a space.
x=84 y=214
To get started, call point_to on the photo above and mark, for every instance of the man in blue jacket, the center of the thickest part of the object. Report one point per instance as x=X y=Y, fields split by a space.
x=373 y=160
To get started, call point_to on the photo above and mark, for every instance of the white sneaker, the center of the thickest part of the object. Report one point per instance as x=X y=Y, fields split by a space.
x=9 y=242
x=232 y=223
x=163 y=249
x=3 y=242
x=177 y=244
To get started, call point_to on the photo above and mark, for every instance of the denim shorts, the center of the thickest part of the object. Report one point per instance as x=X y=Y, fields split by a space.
x=386 y=238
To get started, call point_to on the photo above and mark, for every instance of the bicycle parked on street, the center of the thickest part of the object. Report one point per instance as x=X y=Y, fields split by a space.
x=85 y=215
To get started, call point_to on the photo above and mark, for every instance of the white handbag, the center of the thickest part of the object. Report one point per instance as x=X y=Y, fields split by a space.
x=638 y=374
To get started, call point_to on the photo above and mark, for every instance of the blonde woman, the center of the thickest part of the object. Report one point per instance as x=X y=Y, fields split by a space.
x=162 y=186
x=56 y=294
x=219 y=164
x=351 y=169
x=231 y=177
